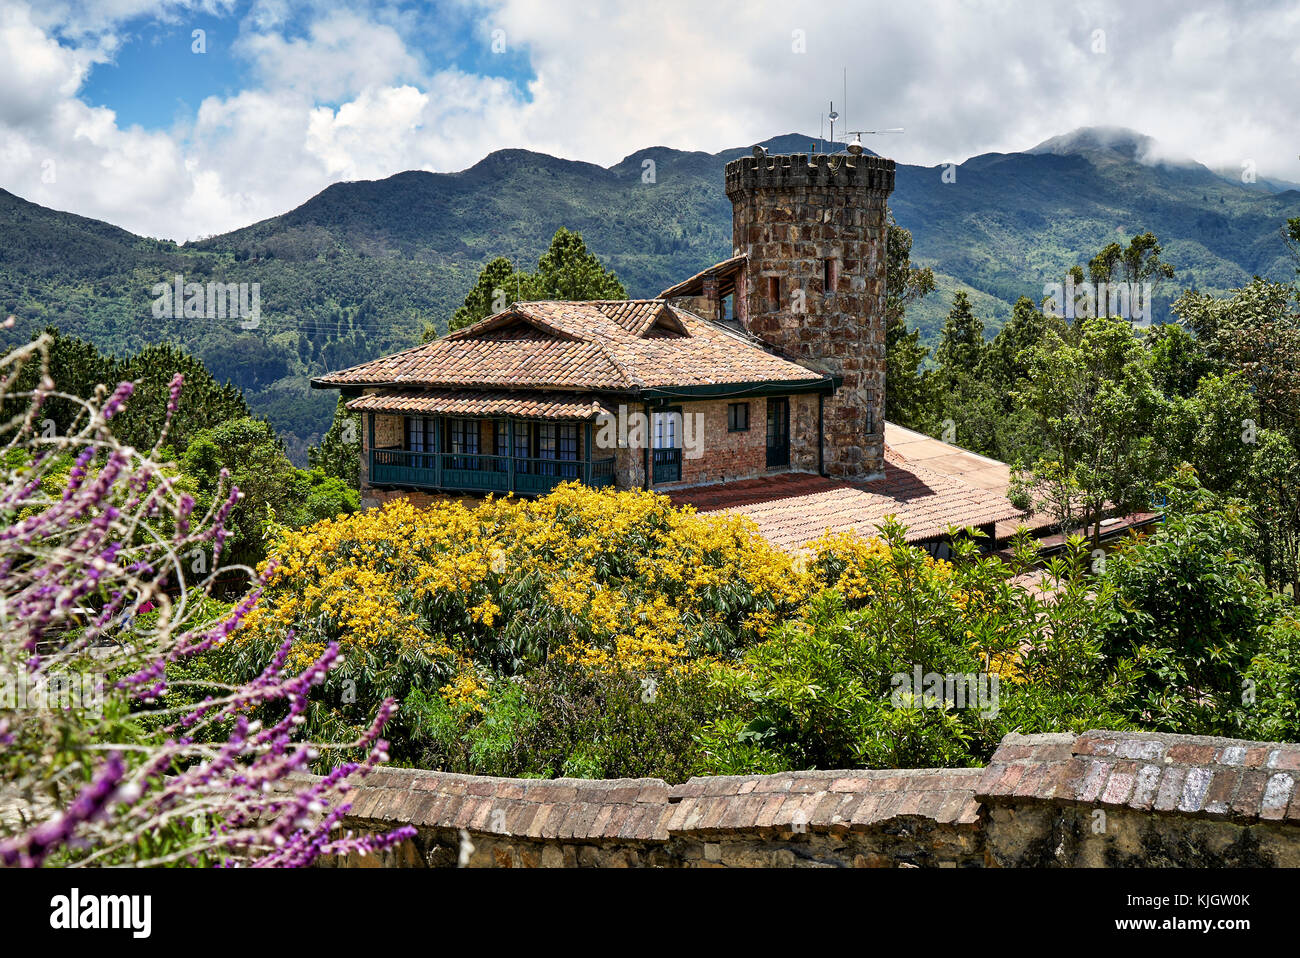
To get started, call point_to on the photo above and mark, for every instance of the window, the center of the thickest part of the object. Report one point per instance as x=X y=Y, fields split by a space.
x=830 y=275
x=523 y=446
x=568 y=450
x=738 y=417
x=462 y=439
x=546 y=447
x=667 y=454
x=417 y=430
x=502 y=445
x=774 y=292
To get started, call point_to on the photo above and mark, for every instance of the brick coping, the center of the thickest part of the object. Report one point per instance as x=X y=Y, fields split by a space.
x=1152 y=773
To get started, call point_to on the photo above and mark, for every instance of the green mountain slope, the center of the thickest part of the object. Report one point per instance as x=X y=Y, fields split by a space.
x=357 y=270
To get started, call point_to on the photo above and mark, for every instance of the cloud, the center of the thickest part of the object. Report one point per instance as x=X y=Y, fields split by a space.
x=385 y=87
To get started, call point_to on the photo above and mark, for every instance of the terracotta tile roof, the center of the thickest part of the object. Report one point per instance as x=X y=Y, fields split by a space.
x=467 y=403
x=726 y=270
x=614 y=346
x=793 y=509
x=944 y=457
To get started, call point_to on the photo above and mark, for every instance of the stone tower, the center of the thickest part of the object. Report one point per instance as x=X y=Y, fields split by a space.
x=814 y=231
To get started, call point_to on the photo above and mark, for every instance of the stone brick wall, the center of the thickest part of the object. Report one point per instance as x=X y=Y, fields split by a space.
x=791 y=214
x=1098 y=799
x=803 y=433
x=726 y=455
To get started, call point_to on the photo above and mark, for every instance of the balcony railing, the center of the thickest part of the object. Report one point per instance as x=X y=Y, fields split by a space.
x=462 y=472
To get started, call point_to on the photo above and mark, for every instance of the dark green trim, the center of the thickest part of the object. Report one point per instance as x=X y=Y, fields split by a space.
x=823 y=384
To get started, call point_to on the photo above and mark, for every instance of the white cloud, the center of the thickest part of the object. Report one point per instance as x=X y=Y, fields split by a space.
x=349 y=95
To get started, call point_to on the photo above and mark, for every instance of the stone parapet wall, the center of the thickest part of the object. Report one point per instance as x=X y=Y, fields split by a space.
x=811 y=171
x=1097 y=799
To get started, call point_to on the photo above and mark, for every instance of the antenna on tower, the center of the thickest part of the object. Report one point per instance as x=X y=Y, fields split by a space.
x=832 y=116
x=846 y=96
x=855 y=146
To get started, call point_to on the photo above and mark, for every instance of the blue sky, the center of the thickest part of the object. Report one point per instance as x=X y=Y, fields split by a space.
x=156 y=78
x=106 y=111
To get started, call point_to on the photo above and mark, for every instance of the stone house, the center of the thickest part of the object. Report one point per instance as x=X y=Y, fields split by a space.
x=772 y=361
x=767 y=368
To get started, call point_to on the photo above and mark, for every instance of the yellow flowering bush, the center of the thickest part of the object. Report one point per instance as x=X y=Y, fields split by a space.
x=596 y=632
x=449 y=597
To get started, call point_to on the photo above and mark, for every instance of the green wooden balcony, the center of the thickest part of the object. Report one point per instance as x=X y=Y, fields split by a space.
x=458 y=472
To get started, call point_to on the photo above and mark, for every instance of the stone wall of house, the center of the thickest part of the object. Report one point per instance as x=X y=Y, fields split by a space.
x=725 y=455
x=1097 y=799
x=803 y=433
x=793 y=215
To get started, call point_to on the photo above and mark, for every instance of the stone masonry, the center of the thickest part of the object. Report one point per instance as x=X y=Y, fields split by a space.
x=1113 y=799
x=814 y=229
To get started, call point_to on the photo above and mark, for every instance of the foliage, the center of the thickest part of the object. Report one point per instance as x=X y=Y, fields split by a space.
x=450 y=597
x=566 y=271
x=837 y=690
x=107 y=758
x=339 y=453
x=569 y=719
x=274 y=493
x=79 y=369
x=1094 y=402
x=1189 y=608
x=911 y=396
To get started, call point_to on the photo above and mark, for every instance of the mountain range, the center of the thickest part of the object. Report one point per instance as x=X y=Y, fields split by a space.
x=358 y=270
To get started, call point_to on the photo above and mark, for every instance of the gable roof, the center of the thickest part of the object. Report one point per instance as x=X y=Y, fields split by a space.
x=605 y=345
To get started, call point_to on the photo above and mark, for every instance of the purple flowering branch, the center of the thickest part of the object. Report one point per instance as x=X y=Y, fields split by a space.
x=92 y=534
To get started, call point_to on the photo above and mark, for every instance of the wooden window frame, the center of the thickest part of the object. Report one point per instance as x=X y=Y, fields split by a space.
x=733 y=418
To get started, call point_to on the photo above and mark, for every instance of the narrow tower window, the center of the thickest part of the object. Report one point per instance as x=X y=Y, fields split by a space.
x=830 y=275
x=774 y=292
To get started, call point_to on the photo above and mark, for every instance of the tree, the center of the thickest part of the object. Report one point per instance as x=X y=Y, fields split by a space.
x=498 y=285
x=1256 y=331
x=339 y=452
x=1178 y=359
x=1273 y=491
x=961 y=344
x=1094 y=404
x=910 y=392
x=567 y=271
x=1007 y=356
x=970 y=410
x=1139 y=262
x=79 y=368
x=1213 y=430
x=1189 y=608
x=247 y=451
